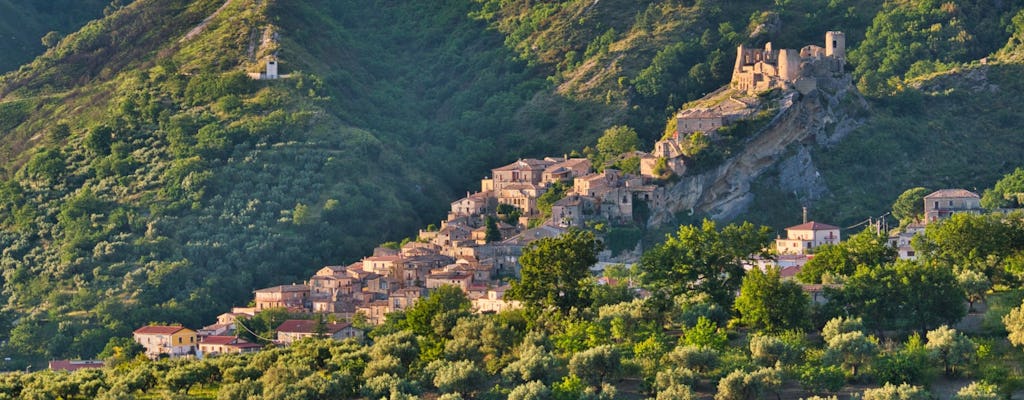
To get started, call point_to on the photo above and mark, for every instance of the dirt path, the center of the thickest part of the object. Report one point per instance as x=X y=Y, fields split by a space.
x=202 y=25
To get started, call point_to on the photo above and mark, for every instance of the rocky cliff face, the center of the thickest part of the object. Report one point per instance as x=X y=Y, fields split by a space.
x=820 y=117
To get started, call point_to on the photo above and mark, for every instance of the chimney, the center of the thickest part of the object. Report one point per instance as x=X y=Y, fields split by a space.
x=805 y=215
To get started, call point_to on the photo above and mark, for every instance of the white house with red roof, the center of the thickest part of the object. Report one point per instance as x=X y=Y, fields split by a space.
x=803 y=238
x=943 y=203
x=172 y=340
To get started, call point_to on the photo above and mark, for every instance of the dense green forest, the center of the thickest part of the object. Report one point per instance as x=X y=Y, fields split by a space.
x=147 y=178
x=24 y=24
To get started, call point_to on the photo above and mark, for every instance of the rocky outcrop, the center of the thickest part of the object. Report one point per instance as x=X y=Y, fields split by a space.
x=821 y=117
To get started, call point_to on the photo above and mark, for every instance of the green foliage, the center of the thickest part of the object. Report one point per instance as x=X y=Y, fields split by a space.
x=912 y=363
x=701 y=359
x=902 y=296
x=703 y=260
x=556 y=191
x=597 y=365
x=893 y=392
x=767 y=303
x=615 y=141
x=742 y=385
x=535 y=390
x=554 y=270
x=978 y=242
x=910 y=205
x=420 y=318
x=456 y=377
x=1014 y=322
x=907 y=39
x=705 y=334
x=868 y=248
x=24 y=24
x=978 y=391
x=951 y=348
x=852 y=350
x=493 y=233
x=769 y=350
x=1008 y=192
x=822 y=378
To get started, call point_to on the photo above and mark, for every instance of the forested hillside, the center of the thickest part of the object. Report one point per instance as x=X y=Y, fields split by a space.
x=147 y=178
x=24 y=24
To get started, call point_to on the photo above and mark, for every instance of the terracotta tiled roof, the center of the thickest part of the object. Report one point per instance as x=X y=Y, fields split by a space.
x=284 y=288
x=952 y=193
x=383 y=258
x=159 y=330
x=526 y=163
x=812 y=226
x=221 y=340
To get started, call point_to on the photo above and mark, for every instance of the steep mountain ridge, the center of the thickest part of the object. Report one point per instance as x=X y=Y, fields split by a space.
x=822 y=117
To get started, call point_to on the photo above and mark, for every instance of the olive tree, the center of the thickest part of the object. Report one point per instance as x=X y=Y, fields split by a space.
x=596 y=365
x=894 y=392
x=950 y=347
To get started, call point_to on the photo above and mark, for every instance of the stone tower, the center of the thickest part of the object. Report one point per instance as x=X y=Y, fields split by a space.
x=789 y=65
x=835 y=45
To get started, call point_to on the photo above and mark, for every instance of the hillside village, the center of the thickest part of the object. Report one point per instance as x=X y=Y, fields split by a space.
x=460 y=255
x=477 y=246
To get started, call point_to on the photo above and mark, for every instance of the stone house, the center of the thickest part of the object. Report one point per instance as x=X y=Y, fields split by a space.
x=697 y=120
x=383 y=265
x=216 y=330
x=295 y=329
x=460 y=279
x=285 y=296
x=404 y=298
x=565 y=171
x=573 y=210
x=523 y=196
x=172 y=340
x=529 y=171
x=494 y=301
x=375 y=312
x=211 y=345
x=941 y=204
x=452 y=233
x=804 y=238
x=475 y=204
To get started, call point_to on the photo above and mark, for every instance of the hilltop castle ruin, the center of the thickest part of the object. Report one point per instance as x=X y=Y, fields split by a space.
x=758 y=70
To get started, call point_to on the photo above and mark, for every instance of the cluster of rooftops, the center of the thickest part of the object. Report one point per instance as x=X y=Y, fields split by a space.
x=460 y=254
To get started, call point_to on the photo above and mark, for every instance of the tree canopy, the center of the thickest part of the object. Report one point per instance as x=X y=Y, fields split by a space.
x=554 y=271
x=703 y=259
x=765 y=302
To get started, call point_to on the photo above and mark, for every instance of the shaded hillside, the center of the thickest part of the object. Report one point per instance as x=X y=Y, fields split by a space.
x=951 y=121
x=23 y=24
x=149 y=179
